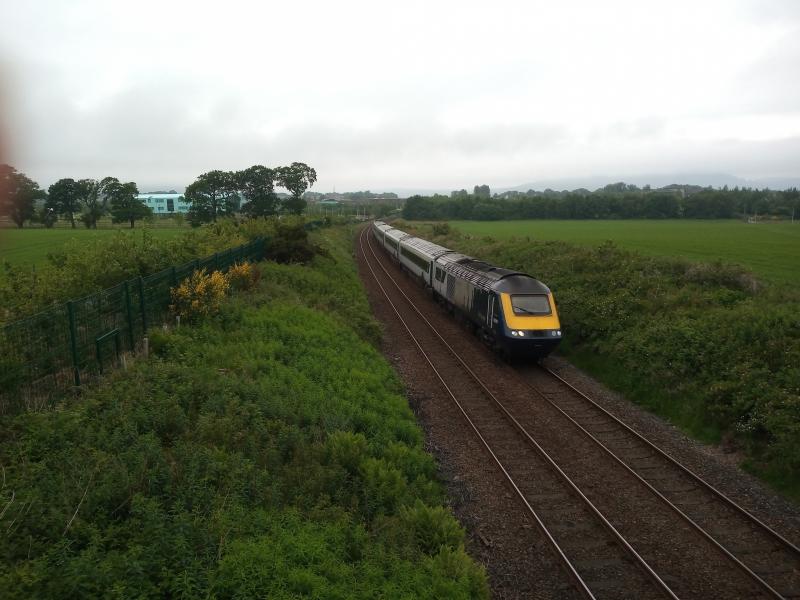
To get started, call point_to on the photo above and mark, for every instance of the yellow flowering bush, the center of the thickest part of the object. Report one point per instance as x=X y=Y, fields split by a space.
x=243 y=276
x=200 y=295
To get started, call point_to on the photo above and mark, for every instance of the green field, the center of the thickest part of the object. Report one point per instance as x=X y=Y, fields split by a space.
x=770 y=250
x=30 y=246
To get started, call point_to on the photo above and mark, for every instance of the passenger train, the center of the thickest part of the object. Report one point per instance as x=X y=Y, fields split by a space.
x=512 y=311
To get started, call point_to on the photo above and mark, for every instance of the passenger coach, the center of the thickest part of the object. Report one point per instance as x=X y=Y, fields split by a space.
x=512 y=311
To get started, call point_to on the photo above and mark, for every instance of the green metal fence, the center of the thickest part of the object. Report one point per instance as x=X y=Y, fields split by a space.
x=58 y=349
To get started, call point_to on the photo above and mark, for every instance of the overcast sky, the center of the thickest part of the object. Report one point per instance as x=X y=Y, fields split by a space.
x=382 y=95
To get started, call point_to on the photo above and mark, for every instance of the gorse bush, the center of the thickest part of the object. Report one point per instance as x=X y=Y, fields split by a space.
x=243 y=276
x=199 y=295
x=706 y=345
x=267 y=456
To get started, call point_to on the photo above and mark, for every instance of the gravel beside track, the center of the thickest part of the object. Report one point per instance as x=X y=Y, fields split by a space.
x=502 y=535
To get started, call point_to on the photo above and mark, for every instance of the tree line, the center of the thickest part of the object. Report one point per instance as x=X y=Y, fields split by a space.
x=213 y=194
x=84 y=199
x=614 y=201
x=251 y=192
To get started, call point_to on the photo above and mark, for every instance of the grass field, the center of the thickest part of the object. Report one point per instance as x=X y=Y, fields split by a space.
x=30 y=246
x=770 y=250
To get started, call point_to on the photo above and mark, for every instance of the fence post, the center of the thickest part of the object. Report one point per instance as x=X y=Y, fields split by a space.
x=129 y=313
x=142 y=306
x=73 y=342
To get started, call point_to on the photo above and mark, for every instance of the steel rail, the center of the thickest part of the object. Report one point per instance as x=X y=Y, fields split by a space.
x=728 y=554
x=607 y=525
x=721 y=495
x=752 y=519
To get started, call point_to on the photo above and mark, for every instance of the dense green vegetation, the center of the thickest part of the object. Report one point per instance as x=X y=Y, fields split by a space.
x=704 y=344
x=264 y=453
x=771 y=250
x=614 y=201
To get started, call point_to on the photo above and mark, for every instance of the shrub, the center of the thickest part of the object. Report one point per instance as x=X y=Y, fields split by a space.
x=199 y=295
x=243 y=276
x=431 y=527
x=290 y=244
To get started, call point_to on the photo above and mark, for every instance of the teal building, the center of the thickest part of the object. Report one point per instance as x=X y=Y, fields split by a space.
x=164 y=204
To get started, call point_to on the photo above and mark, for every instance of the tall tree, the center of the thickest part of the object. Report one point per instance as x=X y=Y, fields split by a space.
x=64 y=198
x=257 y=185
x=125 y=206
x=213 y=194
x=296 y=178
x=482 y=191
x=18 y=194
x=94 y=198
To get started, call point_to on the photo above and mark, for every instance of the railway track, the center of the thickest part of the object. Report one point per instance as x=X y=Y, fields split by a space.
x=771 y=560
x=746 y=545
x=599 y=561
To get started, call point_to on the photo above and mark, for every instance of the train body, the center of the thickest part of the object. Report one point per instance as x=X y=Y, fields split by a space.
x=512 y=311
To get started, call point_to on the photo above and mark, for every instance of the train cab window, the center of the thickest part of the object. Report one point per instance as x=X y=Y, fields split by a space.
x=530 y=304
x=440 y=274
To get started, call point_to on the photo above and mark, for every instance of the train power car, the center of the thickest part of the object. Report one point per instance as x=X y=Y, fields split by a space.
x=514 y=312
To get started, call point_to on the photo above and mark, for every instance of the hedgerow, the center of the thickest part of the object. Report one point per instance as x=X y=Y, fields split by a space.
x=266 y=453
x=708 y=346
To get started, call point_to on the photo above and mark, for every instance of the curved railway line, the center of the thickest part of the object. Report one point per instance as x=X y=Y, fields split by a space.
x=601 y=558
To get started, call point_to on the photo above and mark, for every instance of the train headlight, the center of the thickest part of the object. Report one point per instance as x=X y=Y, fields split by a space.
x=514 y=333
x=521 y=333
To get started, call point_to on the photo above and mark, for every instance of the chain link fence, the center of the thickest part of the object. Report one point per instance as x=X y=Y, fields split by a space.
x=58 y=349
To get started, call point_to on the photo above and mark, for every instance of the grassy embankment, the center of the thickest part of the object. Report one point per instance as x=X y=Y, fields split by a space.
x=267 y=452
x=705 y=345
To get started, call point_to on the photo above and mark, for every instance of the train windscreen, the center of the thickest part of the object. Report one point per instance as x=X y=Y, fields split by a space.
x=530 y=304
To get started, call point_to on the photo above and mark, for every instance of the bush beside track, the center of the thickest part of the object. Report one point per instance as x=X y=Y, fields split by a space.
x=267 y=452
x=705 y=345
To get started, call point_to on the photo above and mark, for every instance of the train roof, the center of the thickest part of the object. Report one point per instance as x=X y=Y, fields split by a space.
x=489 y=277
x=395 y=234
x=426 y=247
x=520 y=283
